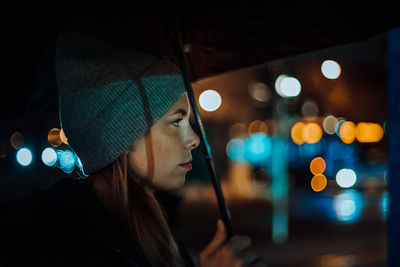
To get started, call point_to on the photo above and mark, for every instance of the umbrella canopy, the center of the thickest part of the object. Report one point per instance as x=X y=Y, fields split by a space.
x=215 y=39
x=244 y=36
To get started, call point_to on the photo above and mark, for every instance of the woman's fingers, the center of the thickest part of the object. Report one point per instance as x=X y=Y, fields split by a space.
x=238 y=243
x=227 y=253
x=218 y=239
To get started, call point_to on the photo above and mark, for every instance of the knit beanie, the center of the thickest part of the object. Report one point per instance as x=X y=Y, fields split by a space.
x=109 y=96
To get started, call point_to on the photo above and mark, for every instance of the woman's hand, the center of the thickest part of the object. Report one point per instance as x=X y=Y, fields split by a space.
x=230 y=253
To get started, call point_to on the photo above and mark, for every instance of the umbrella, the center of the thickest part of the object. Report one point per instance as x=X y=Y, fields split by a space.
x=203 y=40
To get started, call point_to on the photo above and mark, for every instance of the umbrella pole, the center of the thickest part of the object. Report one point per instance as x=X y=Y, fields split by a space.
x=224 y=212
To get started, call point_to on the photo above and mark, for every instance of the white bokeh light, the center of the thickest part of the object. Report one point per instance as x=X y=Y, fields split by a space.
x=260 y=92
x=278 y=83
x=329 y=124
x=24 y=156
x=287 y=86
x=210 y=100
x=346 y=178
x=49 y=156
x=330 y=69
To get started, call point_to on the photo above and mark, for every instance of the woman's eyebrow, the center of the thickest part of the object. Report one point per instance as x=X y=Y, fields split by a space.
x=182 y=111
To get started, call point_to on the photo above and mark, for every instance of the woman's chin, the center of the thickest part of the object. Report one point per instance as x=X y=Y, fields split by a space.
x=178 y=183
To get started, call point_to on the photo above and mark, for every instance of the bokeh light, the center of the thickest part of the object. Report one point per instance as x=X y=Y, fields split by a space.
x=258 y=148
x=329 y=124
x=309 y=109
x=235 y=149
x=346 y=178
x=330 y=69
x=312 y=133
x=290 y=87
x=17 y=140
x=259 y=92
x=67 y=161
x=63 y=138
x=297 y=133
x=49 y=156
x=317 y=165
x=348 y=206
x=257 y=126
x=339 y=151
x=385 y=205
x=54 y=137
x=278 y=84
x=347 y=132
x=319 y=182
x=337 y=126
x=24 y=156
x=210 y=100
x=369 y=132
x=238 y=130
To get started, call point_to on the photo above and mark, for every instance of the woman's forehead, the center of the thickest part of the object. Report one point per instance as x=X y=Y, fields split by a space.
x=182 y=103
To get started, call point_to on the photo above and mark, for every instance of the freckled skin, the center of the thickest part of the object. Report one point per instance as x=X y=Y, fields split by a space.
x=156 y=156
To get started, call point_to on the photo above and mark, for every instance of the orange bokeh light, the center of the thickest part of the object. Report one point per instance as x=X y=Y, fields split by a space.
x=317 y=165
x=237 y=130
x=63 y=138
x=54 y=137
x=311 y=133
x=347 y=132
x=17 y=140
x=257 y=126
x=297 y=133
x=318 y=182
x=369 y=132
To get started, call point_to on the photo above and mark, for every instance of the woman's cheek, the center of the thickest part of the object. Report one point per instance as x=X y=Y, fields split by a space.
x=139 y=164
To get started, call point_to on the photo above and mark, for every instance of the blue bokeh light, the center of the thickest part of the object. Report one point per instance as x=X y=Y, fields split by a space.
x=337 y=126
x=67 y=161
x=258 y=148
x=385 y=205
x=235 y=149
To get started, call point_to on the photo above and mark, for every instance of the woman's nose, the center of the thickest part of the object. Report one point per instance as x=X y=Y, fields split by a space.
x=193 y=142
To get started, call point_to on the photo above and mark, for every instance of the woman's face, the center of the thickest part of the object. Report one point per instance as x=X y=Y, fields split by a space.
x=159 y=156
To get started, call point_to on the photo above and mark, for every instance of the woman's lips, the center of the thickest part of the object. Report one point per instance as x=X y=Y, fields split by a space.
x=187 y=165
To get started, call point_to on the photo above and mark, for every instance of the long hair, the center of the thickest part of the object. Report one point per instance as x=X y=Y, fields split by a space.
x=140 y=212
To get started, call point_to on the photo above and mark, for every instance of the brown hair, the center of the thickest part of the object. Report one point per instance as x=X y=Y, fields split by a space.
x=140 y=212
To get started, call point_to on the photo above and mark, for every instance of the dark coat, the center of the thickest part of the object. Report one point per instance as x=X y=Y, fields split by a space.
x=67 y=225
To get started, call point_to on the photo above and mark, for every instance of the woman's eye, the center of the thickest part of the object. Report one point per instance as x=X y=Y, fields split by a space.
x=176 y=122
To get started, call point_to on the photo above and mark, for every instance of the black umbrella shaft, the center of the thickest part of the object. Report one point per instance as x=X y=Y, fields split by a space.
x=225 y=216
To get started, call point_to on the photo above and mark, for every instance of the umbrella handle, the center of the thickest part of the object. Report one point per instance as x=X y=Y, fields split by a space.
x=224 y=212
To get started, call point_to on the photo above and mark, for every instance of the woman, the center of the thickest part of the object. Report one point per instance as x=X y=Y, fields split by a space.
x=126 y=115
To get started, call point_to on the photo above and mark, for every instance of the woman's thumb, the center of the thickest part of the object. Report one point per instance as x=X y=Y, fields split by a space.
x=218 y=239
x=220 y=234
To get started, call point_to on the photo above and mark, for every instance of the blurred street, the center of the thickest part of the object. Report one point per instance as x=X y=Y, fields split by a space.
x=352 y=235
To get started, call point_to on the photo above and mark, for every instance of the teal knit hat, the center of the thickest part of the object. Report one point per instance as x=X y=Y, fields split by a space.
x=109 y=97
